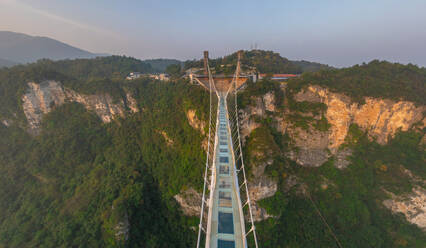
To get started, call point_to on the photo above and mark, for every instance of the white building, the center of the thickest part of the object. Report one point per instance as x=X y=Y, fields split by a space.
x=160 y=76
x=134 y=75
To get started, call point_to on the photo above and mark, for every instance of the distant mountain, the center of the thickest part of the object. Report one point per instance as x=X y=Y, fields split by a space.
x=160 y=65
x=23 y=48
x=6 y=63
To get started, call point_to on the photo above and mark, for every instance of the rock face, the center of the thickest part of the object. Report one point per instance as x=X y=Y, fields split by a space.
x=380 y=118
x=102 y=105
x=247 y=124
x=312 y=146
x=261 y=188
x=263 y=104
x=42 y=98
x=309 y=157
x=199 y=125
x=166 y=137
x=131 y=103
x=341 y=160
x=190 y=202
x=6 y=122
x=412 y=206
x=194 y=121
x=122 y=229
x=269 y=101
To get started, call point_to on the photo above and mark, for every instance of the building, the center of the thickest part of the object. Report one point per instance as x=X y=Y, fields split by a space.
x=278 y=77
x=134 y=75
x=253 y=77
x=160 y=76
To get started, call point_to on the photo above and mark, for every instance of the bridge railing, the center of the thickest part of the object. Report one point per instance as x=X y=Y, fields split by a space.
x=240 y=166
x=233 y=115
x=208 y=178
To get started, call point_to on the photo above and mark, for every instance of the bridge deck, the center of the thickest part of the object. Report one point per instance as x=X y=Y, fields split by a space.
x=226 y=219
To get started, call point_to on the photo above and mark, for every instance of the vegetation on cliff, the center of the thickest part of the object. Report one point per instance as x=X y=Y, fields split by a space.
x=90 y=76
x=88 y=184
x=308 y=66
x=253 y=90
x=378 y=79
x=349 y=200
x=85 y=183
x=160 y=65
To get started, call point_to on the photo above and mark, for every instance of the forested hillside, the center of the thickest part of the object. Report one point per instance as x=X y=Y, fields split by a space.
x=85 y=182
x=376 y=79
x=344 y=200
x=88 y=184
x=308 y=66
x=160 y=65
x=100 y=75
x=263 y=61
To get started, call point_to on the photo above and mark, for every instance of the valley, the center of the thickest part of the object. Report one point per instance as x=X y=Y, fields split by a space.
x=90 y=159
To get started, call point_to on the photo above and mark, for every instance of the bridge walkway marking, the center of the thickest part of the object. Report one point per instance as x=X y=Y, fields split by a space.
x=227 y=227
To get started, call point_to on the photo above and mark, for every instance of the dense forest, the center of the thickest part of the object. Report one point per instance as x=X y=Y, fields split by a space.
x=160 y=65
x=90 y=76
x=83 y=183
x=376 y=79
x=351 y=203
x=329 y=207
x=75 y=182
x=308 y=66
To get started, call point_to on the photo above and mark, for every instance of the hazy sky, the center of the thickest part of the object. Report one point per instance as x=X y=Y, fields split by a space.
x=336 y=32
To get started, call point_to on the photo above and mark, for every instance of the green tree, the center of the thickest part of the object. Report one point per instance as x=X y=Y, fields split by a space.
x=174 y=70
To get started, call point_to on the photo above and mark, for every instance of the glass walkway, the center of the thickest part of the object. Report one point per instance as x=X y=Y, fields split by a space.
x=226 y=220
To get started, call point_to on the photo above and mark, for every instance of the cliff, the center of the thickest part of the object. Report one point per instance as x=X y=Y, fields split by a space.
x=411 y=205
x=102 y=156
x=381 y=118
x=194 y=121
x=311 y=146
x=42 y=98
x=190 y=202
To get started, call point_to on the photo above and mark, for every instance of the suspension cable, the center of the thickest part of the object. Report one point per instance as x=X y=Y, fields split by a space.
x=234 y=90
x=200 y=228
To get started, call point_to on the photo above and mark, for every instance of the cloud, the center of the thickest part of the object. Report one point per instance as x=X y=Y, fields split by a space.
x=77 y=24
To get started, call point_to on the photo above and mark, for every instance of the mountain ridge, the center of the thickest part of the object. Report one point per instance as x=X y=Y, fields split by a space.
x=7 y=63
x=23 y=48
